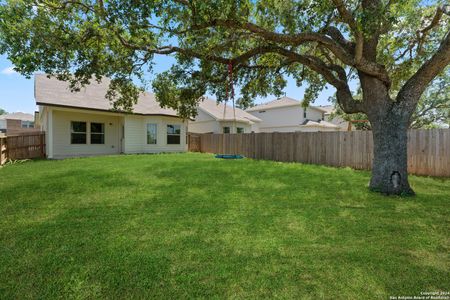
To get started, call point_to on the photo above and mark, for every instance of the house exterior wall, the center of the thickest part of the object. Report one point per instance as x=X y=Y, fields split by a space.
x=247 y=127
x=204 y=123
x=135 y=128
x=316 y=128
x=204 y=127
x=123 y=133
x=2 y=126
x=280 y=129
x=14 y=127
x=343 y=125
x=60 y=137
x=285 y=119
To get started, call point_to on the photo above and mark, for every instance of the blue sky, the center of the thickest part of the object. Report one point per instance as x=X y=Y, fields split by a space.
x=17 y=92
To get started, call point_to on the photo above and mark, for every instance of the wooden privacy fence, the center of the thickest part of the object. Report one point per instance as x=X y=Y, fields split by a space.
x=194 y=142
x=22 y=147
x=428 y=150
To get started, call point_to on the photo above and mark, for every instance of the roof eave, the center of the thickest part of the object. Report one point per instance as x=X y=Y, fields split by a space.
x=105 y=110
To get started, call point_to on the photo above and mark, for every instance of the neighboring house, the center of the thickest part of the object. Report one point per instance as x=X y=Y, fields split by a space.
x=336 y=120
x=84 y=123
x=17 y=123
x=216 y=118
x=287 y=115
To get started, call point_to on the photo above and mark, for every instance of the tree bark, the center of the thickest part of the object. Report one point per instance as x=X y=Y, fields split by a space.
x=389 y=121
x=390 y=161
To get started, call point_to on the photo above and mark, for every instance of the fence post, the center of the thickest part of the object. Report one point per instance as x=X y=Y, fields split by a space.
x=428 y=150
x=1 y=151
x=6 y=150
x=42 y=142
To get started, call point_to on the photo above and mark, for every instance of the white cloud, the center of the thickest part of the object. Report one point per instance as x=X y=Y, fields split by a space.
x=8 y=71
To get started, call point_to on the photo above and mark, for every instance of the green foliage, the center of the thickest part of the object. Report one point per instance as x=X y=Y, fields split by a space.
x=2 y=111
x=432 y=111
x=183 y=226
x=79 y=41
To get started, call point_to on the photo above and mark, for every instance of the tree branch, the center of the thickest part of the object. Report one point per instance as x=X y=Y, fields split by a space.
x=336 y=35
x=422 y=34
x=336 y=47
x=347 y=17
x=347 y=103
x=416 y=85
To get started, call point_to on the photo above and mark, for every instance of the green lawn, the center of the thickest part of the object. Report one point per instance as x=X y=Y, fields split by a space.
x=191 y=226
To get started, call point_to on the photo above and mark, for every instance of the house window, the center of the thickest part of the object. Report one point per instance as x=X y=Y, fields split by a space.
x=78 y=133
x=173 y=134
x=97 y=133
x=151 y=134
x=304 y=113
x=323 y=116
x=226 y=129
x=240 y=130
x=27 y=124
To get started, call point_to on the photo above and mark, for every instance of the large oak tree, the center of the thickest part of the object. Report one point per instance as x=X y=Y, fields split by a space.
x=393 y=49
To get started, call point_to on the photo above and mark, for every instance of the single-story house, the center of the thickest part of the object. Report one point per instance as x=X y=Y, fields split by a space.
x=83 y=123
x=213 y=117
x=287 y=115
x=17 y=123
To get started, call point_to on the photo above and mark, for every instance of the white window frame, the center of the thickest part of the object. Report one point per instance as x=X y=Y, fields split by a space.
x=172 y=134
x=26 y=124
x=78 y=132
x=97 y=133
x=155 y=125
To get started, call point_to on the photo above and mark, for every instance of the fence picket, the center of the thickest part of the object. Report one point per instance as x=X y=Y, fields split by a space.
x=22 y=147
x=428 y=150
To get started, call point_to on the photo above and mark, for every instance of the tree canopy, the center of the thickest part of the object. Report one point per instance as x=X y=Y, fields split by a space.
x=315 y=42
x=2 y=111
x=433 y=109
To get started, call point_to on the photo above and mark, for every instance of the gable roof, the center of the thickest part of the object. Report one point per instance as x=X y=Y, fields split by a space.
x=323 y=124
x=216 y=111
x=280 y=102
x=53 y=92
x=18 y=116
x=327 y=108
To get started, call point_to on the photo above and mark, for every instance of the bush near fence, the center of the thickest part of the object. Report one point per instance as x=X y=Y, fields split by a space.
x=428 y=150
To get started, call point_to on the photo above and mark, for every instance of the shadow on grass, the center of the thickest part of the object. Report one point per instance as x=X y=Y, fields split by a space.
x=182 y=226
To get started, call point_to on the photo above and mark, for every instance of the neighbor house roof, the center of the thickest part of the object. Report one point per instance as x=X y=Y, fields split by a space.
x=53 y=92
x=280 y=102
x=216 y=110
x=327 y=108
x=18 y=116
x=323 y=124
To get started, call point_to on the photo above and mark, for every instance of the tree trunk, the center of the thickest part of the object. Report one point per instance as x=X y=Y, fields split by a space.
x=390 y=162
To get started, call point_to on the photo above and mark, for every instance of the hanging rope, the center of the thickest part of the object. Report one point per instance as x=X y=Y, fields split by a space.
x=230 y=74
x=229 y=90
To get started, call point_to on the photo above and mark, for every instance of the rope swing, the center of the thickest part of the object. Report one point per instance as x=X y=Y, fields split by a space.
x=229 y=89
x=229 y=85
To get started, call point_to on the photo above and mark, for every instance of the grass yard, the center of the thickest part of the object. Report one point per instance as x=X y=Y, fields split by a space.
x=191 y=226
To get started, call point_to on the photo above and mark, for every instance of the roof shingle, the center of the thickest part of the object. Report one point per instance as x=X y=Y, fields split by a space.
x=216 y=110
x=18 y=116
x=51 y=91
